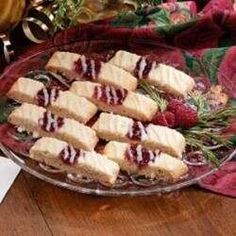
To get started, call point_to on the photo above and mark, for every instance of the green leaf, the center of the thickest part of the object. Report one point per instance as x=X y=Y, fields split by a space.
x=128 y=19
x=193 y=64
x=168 y=30
x=161 y=17
x=211 y=61
x=182 y=26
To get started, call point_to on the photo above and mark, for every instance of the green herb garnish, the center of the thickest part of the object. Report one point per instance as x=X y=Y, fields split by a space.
x=154 y=94
x=198 y=138
x=219 y=118
x=200 y=102
x=66 y=13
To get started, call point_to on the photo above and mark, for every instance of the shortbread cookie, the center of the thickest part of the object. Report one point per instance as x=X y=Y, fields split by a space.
x=64 y=63
x=25 y=90
x=62 y=103
x=37 y=119
x=165 y=77
x=117 y=100
x=120 y=128
x=135 y=159
x=61 y=155
x=77 y=67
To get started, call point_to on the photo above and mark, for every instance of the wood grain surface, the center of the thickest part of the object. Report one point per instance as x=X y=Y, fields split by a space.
x=33 y=207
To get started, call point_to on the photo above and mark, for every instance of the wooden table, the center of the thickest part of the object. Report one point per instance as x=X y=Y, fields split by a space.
x=33 y=207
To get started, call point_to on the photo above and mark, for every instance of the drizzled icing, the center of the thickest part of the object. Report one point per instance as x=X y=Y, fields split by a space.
x=143 y=68
x=88 y=68
x=69 y=155
x=46 y=96
x=50 y=122
x=137 y=131
x=110 y=95
x=141 y=156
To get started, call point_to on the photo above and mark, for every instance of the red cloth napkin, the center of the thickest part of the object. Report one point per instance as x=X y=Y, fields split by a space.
x=223 y=181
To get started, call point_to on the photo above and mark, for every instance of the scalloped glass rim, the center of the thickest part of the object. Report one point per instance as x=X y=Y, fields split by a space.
x=97 y=191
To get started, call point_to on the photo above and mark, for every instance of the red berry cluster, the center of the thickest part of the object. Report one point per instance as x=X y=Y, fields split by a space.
x=177 y=114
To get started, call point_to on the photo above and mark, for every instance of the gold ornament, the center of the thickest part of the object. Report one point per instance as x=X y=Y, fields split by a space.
x=37 y=26
x=11 y=12
x=8 y=51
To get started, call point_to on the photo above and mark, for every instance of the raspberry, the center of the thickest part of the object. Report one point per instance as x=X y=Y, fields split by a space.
x=185 y=115
x=165 y=118
x=173 y=104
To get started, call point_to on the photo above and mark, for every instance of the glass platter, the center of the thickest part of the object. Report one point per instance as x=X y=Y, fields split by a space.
x=126 y=184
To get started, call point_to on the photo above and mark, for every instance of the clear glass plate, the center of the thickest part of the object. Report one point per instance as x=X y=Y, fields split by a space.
x=126 y=184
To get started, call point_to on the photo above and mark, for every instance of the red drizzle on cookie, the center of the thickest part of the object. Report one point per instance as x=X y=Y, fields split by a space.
x=69 y=155
x=137 y=131
x=47 y=96
x=110 y=95
x=143 y=68
x=88 y=68
x=50 y=122
x=141 y=156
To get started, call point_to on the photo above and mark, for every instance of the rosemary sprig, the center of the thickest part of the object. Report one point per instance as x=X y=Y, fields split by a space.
x=206 y=135
x=199 y=139
x=219 y=118
x=66 y=13
x=222 y=114
x=154 y=94
x=200 y=102
x=193 y=142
